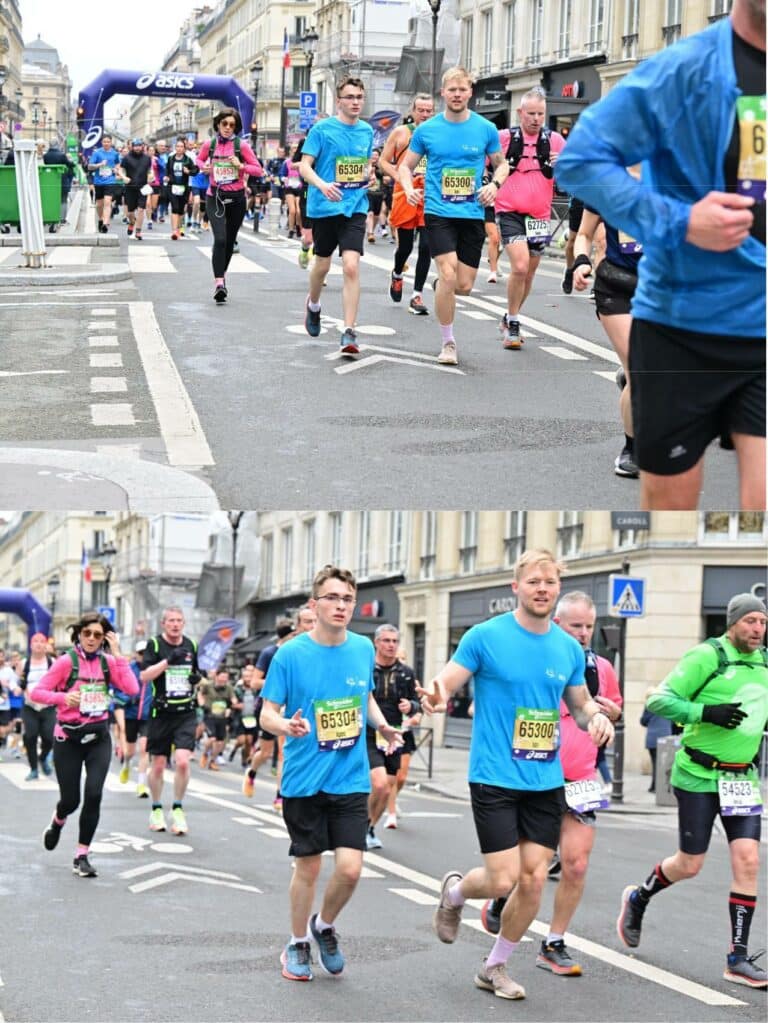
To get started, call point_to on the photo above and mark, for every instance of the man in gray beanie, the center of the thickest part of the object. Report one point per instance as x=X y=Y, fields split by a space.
x=719 y=692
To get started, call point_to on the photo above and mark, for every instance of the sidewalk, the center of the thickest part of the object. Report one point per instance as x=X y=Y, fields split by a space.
x=449 y=778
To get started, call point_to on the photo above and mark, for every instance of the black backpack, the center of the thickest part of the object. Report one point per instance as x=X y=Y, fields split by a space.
x=723 y=664
x=24 y=680
x=515 y=150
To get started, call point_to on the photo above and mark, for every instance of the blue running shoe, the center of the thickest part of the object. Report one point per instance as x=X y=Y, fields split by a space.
x=331 y=959
x=348 y=343
x=297 y=961
x=312 y=321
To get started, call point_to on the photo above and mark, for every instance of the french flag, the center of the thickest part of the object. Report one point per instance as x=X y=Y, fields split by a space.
x=85 y=566
x=286 y=51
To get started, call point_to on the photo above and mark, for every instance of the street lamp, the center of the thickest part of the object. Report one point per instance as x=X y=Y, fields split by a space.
x=177 y=119
x=190 y=113
x=35 y=115
x=53 y=588
x=309 y=43
x=435 y=8
x=235 y=517
x=257 y=69
x=106 y=556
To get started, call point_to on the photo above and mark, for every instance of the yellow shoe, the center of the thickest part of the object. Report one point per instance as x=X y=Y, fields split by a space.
x=142 y=792
x=125 y=774
x=248 y=785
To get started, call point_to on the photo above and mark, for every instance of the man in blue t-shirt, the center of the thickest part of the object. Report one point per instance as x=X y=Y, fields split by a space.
x=456 y=144
x=319 y=694
x=522 y=664
x=106 y=185
x=336 y=164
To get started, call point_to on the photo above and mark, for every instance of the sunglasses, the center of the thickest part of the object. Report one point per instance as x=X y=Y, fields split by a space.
x=227 y=124
x=92 y=633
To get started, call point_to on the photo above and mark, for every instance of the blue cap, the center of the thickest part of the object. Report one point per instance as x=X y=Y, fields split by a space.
x=137 y=142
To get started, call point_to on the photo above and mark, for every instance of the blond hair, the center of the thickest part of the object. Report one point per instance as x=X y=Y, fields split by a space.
x=537 y=556
x=456 y=72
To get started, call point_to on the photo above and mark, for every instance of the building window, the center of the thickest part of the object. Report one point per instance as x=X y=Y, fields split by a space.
x=720 y=9
x=287 y=544
x=310 y=557
x=564 y=40
x=537 y=21
x=35 y=91
x=428 y=546
x=487 y=39
x=570 y=531
x=734 y=527
x=468 y=42
x=631 y=30
x=508 y=60
x=596 y=23
x=363 y=544
x=267 y=563
x=336 y=548
x=672 y=29
x=514 y=541
x=301 y=79
x=395 y=552
x=468 y=549
x=98 y=593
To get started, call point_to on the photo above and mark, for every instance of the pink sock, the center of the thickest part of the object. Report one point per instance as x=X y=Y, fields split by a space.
x=455 y=896
x=446 y=331
x=501 y=951
x=61 y=821
x=219 y=281
x=82 y=850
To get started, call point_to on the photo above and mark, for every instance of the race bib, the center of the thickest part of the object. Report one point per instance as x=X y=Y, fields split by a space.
x=628 y=245
x=224 y=173
x=537 y=230
x=338 y=722
x=105 y=172
x=178 y=189
x=219 y=708
x=249 y=721
x=458 y=184
x=351 y=172
x=94 y=700
x=739 y=796
x=582 y=796
x=177 y=682
x=421 y=167
x=536 y=735
x=750 y=177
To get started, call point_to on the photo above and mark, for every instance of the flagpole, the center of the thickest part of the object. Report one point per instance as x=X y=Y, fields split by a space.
x=82 y=572
x=282 y=106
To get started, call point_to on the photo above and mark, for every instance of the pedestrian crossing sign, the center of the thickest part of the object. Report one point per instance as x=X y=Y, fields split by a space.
x=627 y=596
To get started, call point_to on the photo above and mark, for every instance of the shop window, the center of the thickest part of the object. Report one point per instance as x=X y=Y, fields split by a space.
x=570 y=532
x=734 y=527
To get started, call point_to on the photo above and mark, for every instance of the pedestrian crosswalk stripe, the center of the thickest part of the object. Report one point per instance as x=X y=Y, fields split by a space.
x=112 y=415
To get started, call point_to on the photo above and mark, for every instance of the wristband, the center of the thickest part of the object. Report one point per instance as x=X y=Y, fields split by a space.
x=582 y=261
x=493 y=181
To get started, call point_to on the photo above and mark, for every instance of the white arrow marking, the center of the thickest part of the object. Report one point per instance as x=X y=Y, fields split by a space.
x=156 y=882
x=371 y=359
x=159 y=865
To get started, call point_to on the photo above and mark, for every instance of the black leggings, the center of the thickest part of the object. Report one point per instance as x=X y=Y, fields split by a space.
x=69 y=757
x=225 y=220
x=405 y=248
x=38 y=724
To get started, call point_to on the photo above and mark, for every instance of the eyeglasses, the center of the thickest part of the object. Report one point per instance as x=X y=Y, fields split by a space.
x=227 y=124
x=355 y=97
x=92 y=633
x=336 y=598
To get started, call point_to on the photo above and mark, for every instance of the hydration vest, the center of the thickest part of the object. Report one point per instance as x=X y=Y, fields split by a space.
x=723 y=664
x=515 y=150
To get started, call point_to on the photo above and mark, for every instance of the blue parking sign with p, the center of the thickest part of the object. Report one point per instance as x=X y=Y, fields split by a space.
x=308 y=101
x=107 y=612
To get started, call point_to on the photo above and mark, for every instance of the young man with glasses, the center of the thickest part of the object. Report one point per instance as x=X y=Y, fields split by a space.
x=319 y=694
x=335 y=163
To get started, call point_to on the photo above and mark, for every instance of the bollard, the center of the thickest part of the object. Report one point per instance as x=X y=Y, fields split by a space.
x=30 y=204
x=273 y=219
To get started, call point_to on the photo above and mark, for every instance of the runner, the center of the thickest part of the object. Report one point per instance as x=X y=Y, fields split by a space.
x=524 y=203
x=136 y=168
x=9 y=685
x=218 y=700
x=335 y=163
x=77 y=685
x=137 y=714
x=246 y=725
x=170 y=664
x=456 y=143
x=293 y=184
x=229 y=160
x=409 y=748
x=575 y=614
x=324 y=680
x=306 y=224
x=102 y=165
x=196 y=213
x=266 y=747
x=180 y=169
x=375 y=196
x=522 y=666
x=719 y=692
x=406 y=218
x=154 y=178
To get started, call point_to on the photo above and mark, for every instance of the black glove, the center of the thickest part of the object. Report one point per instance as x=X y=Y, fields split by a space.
x=726 y=715
x=179 y=656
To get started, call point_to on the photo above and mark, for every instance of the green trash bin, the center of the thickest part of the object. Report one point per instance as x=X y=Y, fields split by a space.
x=50 y=176
x=9 y=200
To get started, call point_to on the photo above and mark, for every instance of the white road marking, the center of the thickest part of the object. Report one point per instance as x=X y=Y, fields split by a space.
x=69 y=255
x=607 y=374
x=32 y=372
x=410 y=814
x=105 y=385
x=106 y=360
x=118 y=414
x=58 y=292
x=16 y=773
x=247 y=821
x=563 y=353
x=180 y=426
x=376 y=330
x=148 y=868
x=475 y=314
x=414 y=895
x=274 y=833
x=239 y=263
x=103 y=341
x=150 y=261
x=103 y=312
x=174 y=875
x=371 y=360
x=290 y=255
x=102 y=325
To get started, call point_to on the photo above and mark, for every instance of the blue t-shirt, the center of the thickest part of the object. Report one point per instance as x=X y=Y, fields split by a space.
x=519 y=680
x=105 y=175
x=199 y=180
x=342 y=154
x=456 y=154
x=331 y=685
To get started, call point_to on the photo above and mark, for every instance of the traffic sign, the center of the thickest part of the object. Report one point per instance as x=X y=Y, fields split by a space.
x=308 y=100
x=626 y=595
x=108 y=612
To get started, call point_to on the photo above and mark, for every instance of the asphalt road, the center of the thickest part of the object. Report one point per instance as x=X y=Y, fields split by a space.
x=191 y=929
x=241 y=399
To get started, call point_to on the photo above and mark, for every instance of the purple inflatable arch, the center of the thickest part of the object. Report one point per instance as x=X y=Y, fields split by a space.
x=28 y=608
x=90 y=107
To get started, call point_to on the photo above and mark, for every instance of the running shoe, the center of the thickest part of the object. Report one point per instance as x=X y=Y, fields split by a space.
x=391 y=821
x=248 y=785
x=312 y=321
x=45 y=763
x=492 y=278
x=348 y=343
x=82 y=867
x=220 y=294
x=142 y=791
x=51 y=835
x=157 y=820
x=395 y=287
x=446 y=918
x=496 y=979
x=331 y=959
x=235 y=248
x=625 y=464
x=32 y=776
x=174 y=236
x=150 y=225
x=296 y=961
x=213 y=766
x=303 y=258
x=372 y=239
x=125 y=774
x=510 y=332
x=554 y=956
x=178 y=822
x=203 y=761
x=417 y=307
x=448 y=356
x=630 y=919
x=372 y=841
x=554 y=868
x=621 y=378
x=137 y=236
x=130 y=230
x=742 y=970
x=490 y=914
x=567 y=281
x=277 y=804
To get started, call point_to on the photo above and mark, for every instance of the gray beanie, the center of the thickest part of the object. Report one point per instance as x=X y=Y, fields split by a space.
x=741 y=605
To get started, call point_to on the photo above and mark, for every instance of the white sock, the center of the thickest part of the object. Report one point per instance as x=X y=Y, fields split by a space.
x=554 y=937
x=321 y=925
x=314 y=306
x=295 y=940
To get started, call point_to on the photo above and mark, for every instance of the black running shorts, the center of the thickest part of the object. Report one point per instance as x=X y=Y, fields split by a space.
x=99 y=191
x=134 y=728
x=575 y=210
x=175 y=729
x=344 y=233
x=696 y=812
x=216 y=727
x=456 y=234
x=512 y=229
x=377 y=758
x=614 y=288
x=325 y=821
x=505 y=817
x=134 y=199
x=688 y=389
